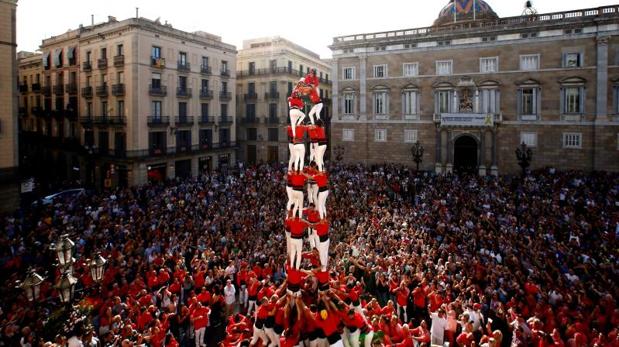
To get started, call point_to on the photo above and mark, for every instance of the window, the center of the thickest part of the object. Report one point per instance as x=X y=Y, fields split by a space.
x=410 y=103
x=489 y=65
x=380 y=103
x=573 y=100
x=380 y=135
x=301 y=69
x=88 y=81
x=204 y=85
x=348 y=135
x=89 y=109
x=120 y=104
x=88 y=56
x=572 y=60
x=120 y=77
x=182 y=109
x=224 y=110
x=156 y=80
x=349 y=73
x=204 y=110
x=410 y=69
x=104 y=109
x=182 y=83
x=349 y=103
x=290 y=88
x=224 y=66
x=410 y=135
x=273 y=87
x=529 y=139
x=273 y=111
x=103 y=80
x=444 y=67
x=103 y=53
x=252 y=134
x=224 y=87
x=528 y=105
x=380 y=71
x=252 y=67
x=616 y=100
x=156 y=108
x=289 y=65
x=572 y=140
x=273 y=64
x=251 y=88
x=120 y=50
x=250 y=112
x=489 y=100
x=443 y=98
x=182 y=58
x=273 y=134
x=529 y=62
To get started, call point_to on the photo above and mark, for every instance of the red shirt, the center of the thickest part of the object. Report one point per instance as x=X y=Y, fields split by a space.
x=322 y=179
x=295 y=277
x=294 y=100
x=419 y=297
x=322 y=276
x=311 y=79
x=264 y=310
x=313 y=258
x=357 y=321
x=200 y=317
x=322 y=228
x=299 y=132
x=253 y=289
x=329 y=326
x=313 y=216
x=204 y=297
x=402 y=296
x=317 y=133
x=297 y=180
x=297 y=227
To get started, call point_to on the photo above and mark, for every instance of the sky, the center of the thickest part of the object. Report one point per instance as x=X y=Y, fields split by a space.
x=311 y=24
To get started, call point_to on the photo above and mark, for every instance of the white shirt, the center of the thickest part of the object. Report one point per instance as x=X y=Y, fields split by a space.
x=438 y=326
x=229 y=293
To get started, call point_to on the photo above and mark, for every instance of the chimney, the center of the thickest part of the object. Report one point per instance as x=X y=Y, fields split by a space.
x=137 y=11
x=92 y=20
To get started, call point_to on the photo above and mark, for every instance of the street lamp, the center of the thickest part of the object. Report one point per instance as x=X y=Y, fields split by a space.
x=524 y=154
x=63 y=249
x=97 y=267
x=417 y=152
x=66 y=287
x=32 y=285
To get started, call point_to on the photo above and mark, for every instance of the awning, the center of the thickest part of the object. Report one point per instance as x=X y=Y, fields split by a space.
x=45 y=59
x=71 y=53
x=57 y=56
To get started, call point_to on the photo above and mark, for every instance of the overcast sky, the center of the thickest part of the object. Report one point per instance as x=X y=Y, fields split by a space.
x=312 y=24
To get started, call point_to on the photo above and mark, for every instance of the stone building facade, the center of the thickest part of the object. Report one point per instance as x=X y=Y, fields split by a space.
x=473 y=86
x=267 y=70
x=140 y=101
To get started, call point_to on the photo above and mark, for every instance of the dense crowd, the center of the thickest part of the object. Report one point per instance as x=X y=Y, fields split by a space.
x=416 y=260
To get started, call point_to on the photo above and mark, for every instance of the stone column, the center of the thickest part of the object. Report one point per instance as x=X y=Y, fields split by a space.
x=602 y=79
x=335 y=92
x=494 y=170
x=194 y=167
x=450 y=154
x=438 y=167
x=482 y=152
x=362 y=87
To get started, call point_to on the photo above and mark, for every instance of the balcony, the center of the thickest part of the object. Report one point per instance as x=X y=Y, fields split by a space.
x=23 y=88
x=119 y=60
x=87 y=92
x=46 y=90
x=36 y=87
x=157 y=62
x=183 y=148
x=203 y=146
x=226 y=144
x=250 y=120
x=157 y=90
x=225 y=73
x=271 y=120
x=467 y=120
x=59 y=90
x=71 y=88
x=271 y=95
x=183 y=120
x=206 y=120
x=225 y=96
x=157 y=151
x=36 y=110
x=87 y=121
x=250 y=97
x=158 y=121
x=206 y=94
x=22 y=112
x=107 y=120
x=205 y=69
x=118 y=89
x=86 y=66
x=183 y=92
x=102 y=64
x=102 y=91
x=183 y=66
x=225 y=120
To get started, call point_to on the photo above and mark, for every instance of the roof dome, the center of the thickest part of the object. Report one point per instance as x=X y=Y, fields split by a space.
x=465 y=10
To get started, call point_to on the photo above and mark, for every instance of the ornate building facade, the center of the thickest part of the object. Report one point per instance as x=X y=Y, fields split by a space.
x=473 y=86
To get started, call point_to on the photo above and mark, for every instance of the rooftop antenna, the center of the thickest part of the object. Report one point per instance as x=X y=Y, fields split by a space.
x=137 y=12
x=92 y=20
x=529 y=10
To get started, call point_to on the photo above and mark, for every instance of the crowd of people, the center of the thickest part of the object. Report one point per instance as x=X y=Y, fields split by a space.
x=416 y=259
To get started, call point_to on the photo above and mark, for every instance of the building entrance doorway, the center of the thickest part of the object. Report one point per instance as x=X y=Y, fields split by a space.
x=465 y=155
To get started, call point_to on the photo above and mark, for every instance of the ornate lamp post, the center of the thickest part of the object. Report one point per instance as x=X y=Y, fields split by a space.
x=524 y=154
x=64 y=250
x=66 y=287
x=32 y=285
x=417 y=152
x=97 y=267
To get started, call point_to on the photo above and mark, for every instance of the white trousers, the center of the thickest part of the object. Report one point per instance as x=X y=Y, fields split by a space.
x=351 y=339
x=297 y=200
x=322 y=203
x=402 y=312
x=368 y=339
x=315 y=111
x=288 y=249
x=298 y=150
x=250 y=307
x=296 y=248
x=339 y=343
x=312 y=194
x=200 y=337
x=323 y=251
x=272 y=336
x=313 y=239
x=291 y=157
x=319 y=155
x=243 y=295
x=296 y=117
x=289 y=193
x=259 y=334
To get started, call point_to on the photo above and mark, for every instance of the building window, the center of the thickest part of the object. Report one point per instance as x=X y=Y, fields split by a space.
x=410 y=69
x=120 y=50
x=529 y=62
x=182 y=58
x=290 y=88
x=224 y=110
x=251 y=68
x=155 y=52
x=89 y=109
x=250 y=112
x=410 y=135
x=273 y=111
x=120 y=104
x=104 y=109
x=616 y=99
x=572 y=140
x=573 y=100
x=529 y=139
x=182 y=83
x=490 y=100
x=182 y=109
x=572 y=60
x=489 y=65
x=444 y=67
x=252 y=134
x=348 y=135
x=224 y=66
x=349 y=73
x=349 y=103
x=273 y=134
x=156 y=81
x=204 y=110
x=528 y=103
x=380 y=103
x=156 y=108
x=380 y=71
x=380 y=135
x=410 y=102
x=443 y=101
